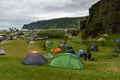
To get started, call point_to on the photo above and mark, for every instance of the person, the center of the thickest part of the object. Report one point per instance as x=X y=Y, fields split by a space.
x=88 y=52
x=70 y=50
x=45 y=45
x=62 y=46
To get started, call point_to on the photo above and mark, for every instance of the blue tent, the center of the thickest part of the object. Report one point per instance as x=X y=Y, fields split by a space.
x=118 y=40
x=80 y=53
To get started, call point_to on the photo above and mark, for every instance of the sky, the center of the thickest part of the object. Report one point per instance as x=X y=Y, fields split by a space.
x=16 y=13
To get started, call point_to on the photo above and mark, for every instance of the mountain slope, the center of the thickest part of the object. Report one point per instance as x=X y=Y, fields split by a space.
x=55 y=23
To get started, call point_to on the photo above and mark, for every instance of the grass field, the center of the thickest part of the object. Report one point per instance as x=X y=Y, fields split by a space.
x=11 y=68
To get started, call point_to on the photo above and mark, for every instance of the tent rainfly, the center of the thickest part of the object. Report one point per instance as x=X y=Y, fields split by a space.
x=34 y=58
x=2 y=52
x=67 y=60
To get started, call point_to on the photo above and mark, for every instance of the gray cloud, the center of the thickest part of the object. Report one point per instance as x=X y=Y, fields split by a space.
x=18 y=12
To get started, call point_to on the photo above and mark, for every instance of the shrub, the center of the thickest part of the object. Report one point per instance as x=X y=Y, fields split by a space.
x=52 y=34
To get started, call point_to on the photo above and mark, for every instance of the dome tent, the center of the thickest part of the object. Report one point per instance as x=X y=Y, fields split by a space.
x=117 y=49
x=67 y=60
x=2 y=52
x=94 y=47
x=48 y=55
x=57 y=50
x=118 y=41
x=34 y=58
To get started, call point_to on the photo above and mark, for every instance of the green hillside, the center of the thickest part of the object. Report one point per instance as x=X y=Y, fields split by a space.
x=55 y=23
x=104 y=18
x=105 y=68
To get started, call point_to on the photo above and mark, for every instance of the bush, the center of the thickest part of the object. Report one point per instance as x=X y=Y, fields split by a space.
x=52 y=34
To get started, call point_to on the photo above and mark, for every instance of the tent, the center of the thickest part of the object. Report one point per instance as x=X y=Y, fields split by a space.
x=57 y=50
x=48 y=55
x=117 y=51
x=118 y=41
x=1 y=38
x=105 y=35
x=68 y=47
x=2 y=52
x=101 y=39
x=67 y=60
x=71 y=50
x=80 y=53
x=34 y=58
x=32 y=42
x=94 y=47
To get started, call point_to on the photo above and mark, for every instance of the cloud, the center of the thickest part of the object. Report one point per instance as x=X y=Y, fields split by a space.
x=18 y=12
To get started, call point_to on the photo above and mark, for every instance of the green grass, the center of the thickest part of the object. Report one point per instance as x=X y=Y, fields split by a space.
x=11 y=68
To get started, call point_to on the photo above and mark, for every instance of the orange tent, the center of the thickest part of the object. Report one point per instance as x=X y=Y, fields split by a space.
x=57 y=50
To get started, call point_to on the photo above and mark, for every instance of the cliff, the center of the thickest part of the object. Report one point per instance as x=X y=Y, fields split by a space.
x=104 y=18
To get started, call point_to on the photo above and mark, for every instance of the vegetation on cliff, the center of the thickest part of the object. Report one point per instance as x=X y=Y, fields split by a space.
x=55 y=23
x=104 y=18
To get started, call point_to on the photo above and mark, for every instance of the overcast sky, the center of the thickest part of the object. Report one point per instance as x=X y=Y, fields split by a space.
x=16 y=13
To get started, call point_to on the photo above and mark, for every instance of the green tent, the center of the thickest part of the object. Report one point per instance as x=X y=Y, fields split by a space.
x=67 y=60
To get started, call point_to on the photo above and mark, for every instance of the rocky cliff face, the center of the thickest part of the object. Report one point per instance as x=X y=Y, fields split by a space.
x=104 y=18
